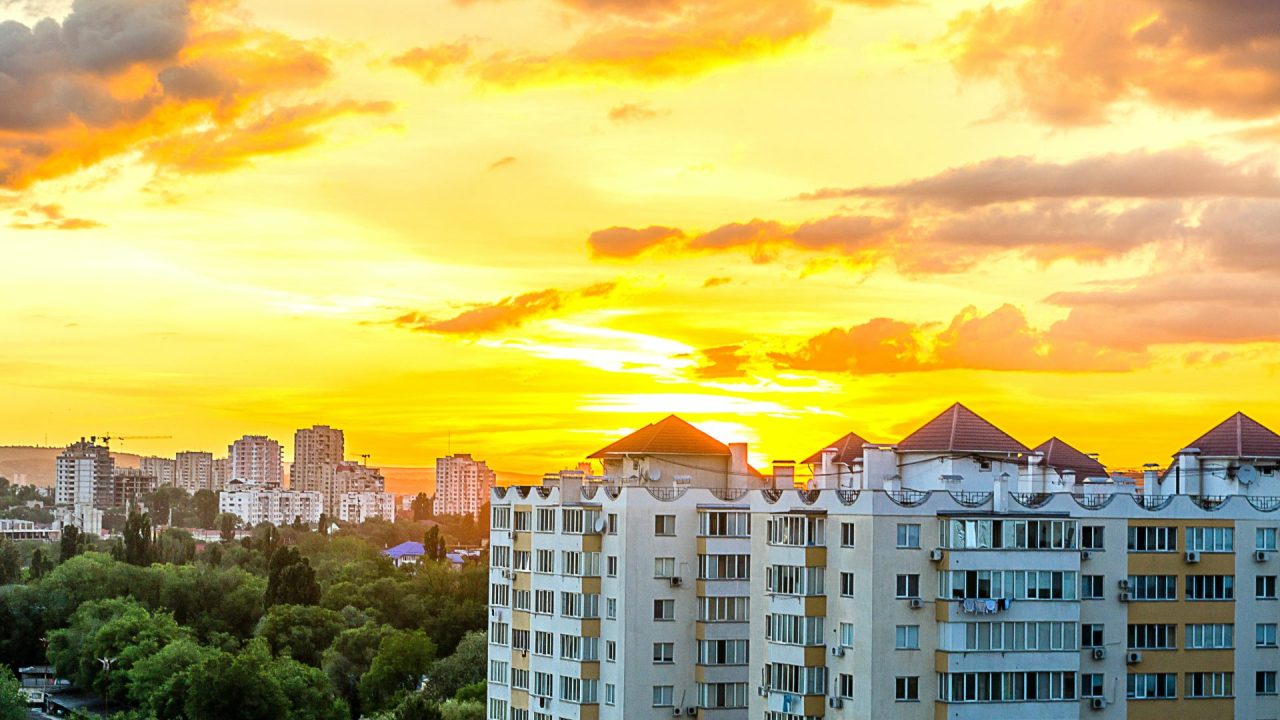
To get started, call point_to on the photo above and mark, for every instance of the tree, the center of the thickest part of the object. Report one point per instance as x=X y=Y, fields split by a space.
x=169 y=504
x=227 y=523
x=236 y=687
x=300 y=631
x=462 y=710
x=174 y=546
x=39 y=564
x=159 y=684
x=421 y=507
x=310 y=695
x=137 y=539
x=323 y=526
x=70 y=545
x=290 y=580
x=204 y=505
x=433 y=543
x=464 y=667
x=117 y=628
x=403 y=659
x=350 y=656
x=10 y=561
x=13 y=705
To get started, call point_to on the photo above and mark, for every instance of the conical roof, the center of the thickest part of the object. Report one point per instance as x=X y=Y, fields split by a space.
x=959 y=429
x=848 y=449
x=1061 y=456
x=1238 y=436
x=669 y=436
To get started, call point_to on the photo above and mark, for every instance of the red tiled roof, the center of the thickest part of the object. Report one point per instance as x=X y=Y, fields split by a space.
x=848 y=449
x=1238 y=436
x=669 y=436
x=1061 y=456
x=959 y=429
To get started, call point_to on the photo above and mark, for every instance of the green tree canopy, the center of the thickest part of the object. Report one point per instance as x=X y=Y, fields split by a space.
x=302 y=632
x=13 y=705
x=403 y=659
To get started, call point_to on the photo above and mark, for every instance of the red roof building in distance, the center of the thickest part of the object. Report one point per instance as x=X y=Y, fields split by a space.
x=960 y=430
x=1239 y=436
x=669 y=436
x=848 y=449
x=1061 y=457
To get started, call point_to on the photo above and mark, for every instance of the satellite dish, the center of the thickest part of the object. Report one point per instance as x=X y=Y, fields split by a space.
x=654 y=474
x=1246 y=474
x=601 y=525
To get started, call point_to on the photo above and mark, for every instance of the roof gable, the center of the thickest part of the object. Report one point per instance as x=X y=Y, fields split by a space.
x=959 y=429
x=669 y=436
x=848 y=449
x=1238 y=436
x=1061 y=456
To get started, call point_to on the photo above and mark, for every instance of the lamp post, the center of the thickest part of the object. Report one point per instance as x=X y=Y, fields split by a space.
x=106 y=675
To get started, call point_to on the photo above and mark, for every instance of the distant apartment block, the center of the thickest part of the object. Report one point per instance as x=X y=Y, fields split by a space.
x=129 y=484
x=83 y=475
x=256 y=503
x=314 y=448
x=193 y=471
x=462 y=485
x=956 y=573
x=356 y=507
x=164 y=470
x=256 y=459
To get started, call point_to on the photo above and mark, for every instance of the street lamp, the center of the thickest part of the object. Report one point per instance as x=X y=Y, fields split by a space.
x=106 y=674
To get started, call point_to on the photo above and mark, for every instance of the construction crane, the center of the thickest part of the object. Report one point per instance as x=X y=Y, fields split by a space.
x=106 y=439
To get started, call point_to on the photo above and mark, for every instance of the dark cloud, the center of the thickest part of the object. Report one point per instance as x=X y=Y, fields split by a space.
x=624 y=242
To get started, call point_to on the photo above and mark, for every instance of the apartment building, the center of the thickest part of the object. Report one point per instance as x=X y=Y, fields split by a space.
x=193 y=471
x=956 y=573
x=129 y=484
x=256 y=459
x=314 y=449
x=83 y=475
x=164 y=470
x=256 y=503
x=462 y=485
x=356 y=507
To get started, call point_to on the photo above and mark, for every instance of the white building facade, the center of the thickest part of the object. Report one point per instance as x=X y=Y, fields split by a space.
x=83 y=475
x=256 y=459
x=255 y=504
x=462 y=485
x=356 y=507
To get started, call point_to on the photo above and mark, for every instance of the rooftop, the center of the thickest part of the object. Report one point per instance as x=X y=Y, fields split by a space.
x=669 y=436
x=1061 y=456
x=848 y=449
x=1238 y=436
x=960 y=430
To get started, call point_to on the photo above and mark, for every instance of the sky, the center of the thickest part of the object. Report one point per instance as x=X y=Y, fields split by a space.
x=521 y=228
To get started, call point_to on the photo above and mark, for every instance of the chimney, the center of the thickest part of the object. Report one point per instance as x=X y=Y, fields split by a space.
x=1150 y=476
x=1069 y=479
x=1034 y=479
x=739 y=475
x=1189 y=473
x=784 y=474
x=826 y=475
x=1000 y=493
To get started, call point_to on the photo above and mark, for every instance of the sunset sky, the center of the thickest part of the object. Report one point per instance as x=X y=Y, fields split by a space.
x=527 y=226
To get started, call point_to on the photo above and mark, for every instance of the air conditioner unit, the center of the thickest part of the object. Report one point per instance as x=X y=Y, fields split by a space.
x=1099 y=653
x=935 y=554
x=511 y=534
x=506 y=574
x=1084 y=555
x=676 y=713
x=836 y=703
x=1123 y=584
x=762 y=691
x=1260 y=555
x=916 y=603
x=1193 y=556
x=1133 y=657
x=675 y=581
x=1097 y=703
x=838 y=651
x=1126 y=597
x=542 y=702
x=692 y=711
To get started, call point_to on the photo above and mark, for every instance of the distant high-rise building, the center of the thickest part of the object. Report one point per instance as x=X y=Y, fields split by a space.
x=221 y=472
x=193 y=471
x=255 y=503
x=462 y=484
x=164 y=470
x=128 y=484
x=256 y=459
x=356 y=507
x=338 y=479
x=314 y=449
x=84 y=475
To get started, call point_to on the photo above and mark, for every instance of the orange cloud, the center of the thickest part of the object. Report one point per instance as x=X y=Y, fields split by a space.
x=1067 y=61
x=712 y=282
x=762 y=239
x=633 y=112
x=658 y=41
x=502 y=162
x=722 y=362
x=429 y=63
x=49 y=217
x=165 y=77
x=507 y=313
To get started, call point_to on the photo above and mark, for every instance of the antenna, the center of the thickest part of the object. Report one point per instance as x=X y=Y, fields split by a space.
x=365 y=456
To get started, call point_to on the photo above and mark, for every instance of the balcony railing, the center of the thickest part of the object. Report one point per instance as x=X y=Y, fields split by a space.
x=1153 y=502
x=848 y=497
x=809 y=497
x=1092 y=501
x=1265 y=503
x=970 y=498
x=1032 y=500
x=771 y=495
x=1211 y=502
x=908 y=498
x=730 y=494
x=667 y=494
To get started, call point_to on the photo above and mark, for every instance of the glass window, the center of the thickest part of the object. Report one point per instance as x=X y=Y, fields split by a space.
x=1265 y=682
x=908 y=535
x=1091 y=537
x=846 y=584
x=908 y=586
x=1151 y=686
x=664 y=653
x=907 y=689
x=664 y=609
x=663 y=695
x=1265 y=635
x=664 y=525
x=1265 y=587
x=847 y=534
x=907 y=637
x=846 y=634
x=1092 y=685
x=1091 y=587
x=1091 y=635
x=1264 y=539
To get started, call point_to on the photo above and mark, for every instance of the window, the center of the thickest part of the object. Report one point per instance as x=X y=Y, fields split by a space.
x=610 y=651
x=1264 y=539
x=570 y=647
x=722 y=695
x=1153 y=637
x=844 y=685
x=1091 y=635
x=519 y=640
x=906 y=637
x=497 y=709
x=1012 y=636
x=610 y=694
x=521 y=521
x=794 y=580
x=1208 y=685
x=611 y=566
x=500 y=556
x=664 y=609
x=611 y=608
x=546 y=561
x=499 y=632
x=664 y=567
x=1091 y=537
x=908 y=535
x=906 y=689
x=907 y=586
x=846 y=634
x=798 y=531
x=1210 y=636
x=522 y=600
x=794 y=629
x=1091 y=685
x=719 y=523
x=544 y=602
x=1153 y=539
x=1153 y=587
x=499 y=594
x=1211 y=587
x=846 y=584
x=723 y=609
x=1012 y=686
x=1091 y=587
x=1264 y=682
x=519 y=679
x=1016 y=584
x=543 y=684
x=664 y=525
x=546 y=520
x=498 y=672
x=724 y=567
x=1211 y=539
x=613 y=523
x=1265 y=587
x=1151 y=686
x=1265 y=635
x=663 y=695
x=847 y=534
x=572 y=520
x=722 y=652
x=664 y=653
x=984 y=534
